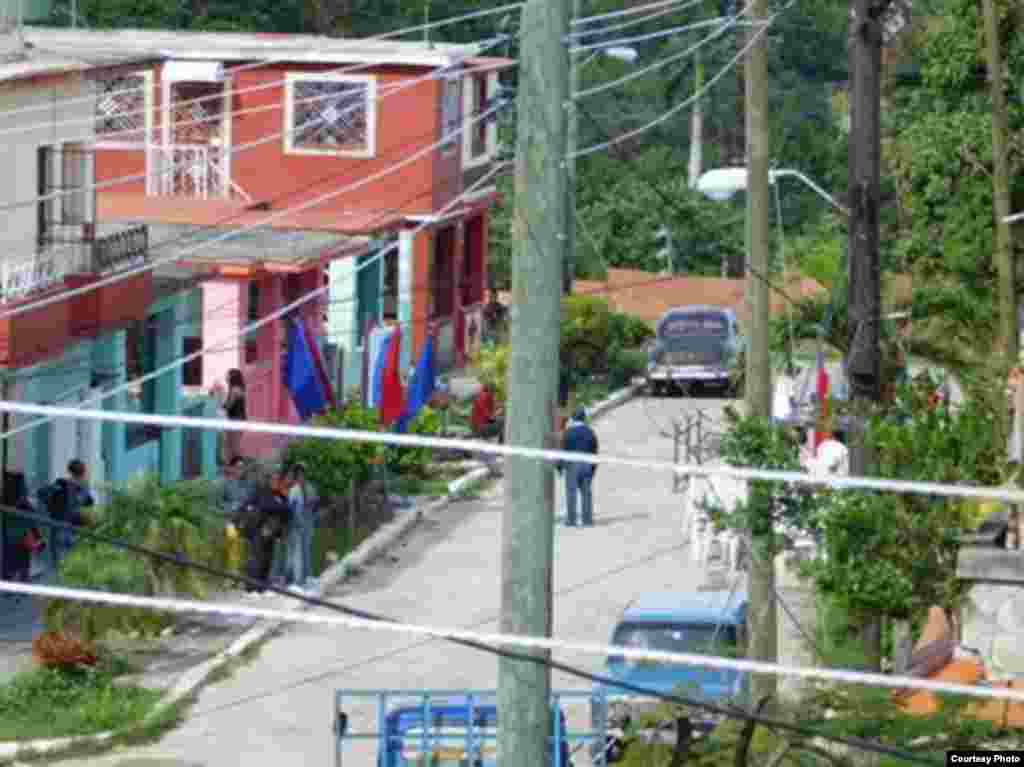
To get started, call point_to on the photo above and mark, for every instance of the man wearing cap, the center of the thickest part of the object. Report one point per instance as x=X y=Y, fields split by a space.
x=579 y=476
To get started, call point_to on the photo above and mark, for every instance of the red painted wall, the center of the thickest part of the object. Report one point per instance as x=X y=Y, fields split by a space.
x=407 y=121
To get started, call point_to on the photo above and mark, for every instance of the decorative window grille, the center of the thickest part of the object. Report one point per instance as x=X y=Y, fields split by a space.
x=121 y=109
x=331 y=115
x=451 y=111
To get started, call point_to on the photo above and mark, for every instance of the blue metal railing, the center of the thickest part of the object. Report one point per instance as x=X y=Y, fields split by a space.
x=475 y=729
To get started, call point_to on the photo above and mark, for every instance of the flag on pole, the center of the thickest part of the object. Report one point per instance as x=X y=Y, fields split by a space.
x=822 y=432
x=421 y=388
x=391 y=395
x=300 y=374
x=321 y=367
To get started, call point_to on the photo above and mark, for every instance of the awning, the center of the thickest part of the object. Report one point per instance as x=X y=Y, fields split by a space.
x=193 y=72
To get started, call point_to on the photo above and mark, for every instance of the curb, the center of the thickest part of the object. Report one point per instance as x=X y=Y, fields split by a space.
x=368 y=550
x=193 y=679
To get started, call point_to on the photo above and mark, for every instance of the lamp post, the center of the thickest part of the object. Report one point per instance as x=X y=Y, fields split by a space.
x=722 y=183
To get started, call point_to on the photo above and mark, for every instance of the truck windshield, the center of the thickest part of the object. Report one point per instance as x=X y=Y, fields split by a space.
x=674 y=637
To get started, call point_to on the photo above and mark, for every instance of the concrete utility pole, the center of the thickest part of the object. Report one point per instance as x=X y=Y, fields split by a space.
x=573 y=137
x=763 y=621
x=524 y=688
x=864 y=362
x=1001 y=189
x=697 y=123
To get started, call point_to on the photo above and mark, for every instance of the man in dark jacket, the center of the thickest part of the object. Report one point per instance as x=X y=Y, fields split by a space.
x=579 y=476
x=264 y=519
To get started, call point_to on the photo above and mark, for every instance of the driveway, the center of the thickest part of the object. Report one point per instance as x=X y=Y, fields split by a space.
x=279 y=708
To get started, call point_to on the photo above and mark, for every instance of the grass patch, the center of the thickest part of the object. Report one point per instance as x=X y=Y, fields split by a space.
x=49 y=703
x=337 y=539
x=431 y=487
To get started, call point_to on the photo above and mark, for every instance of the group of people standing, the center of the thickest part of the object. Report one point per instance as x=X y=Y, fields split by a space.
x=277 y=517
x=63 y=501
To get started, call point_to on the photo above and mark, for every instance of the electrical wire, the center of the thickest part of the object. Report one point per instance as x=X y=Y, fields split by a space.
x=315 y=202
x=722 y=29
x=626 y=24
x=908 y=487
x=667 y=115
x=267 y=62
x=729 y=711
x=682 y=5
x=277 y=314
x=440 y=73
x=623 y=41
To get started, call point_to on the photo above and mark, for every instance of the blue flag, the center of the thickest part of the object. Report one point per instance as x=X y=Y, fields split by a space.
x=421 y=388
x=301 y=377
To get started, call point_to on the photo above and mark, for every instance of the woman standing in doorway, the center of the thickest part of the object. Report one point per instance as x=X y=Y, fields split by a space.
x=234 y=408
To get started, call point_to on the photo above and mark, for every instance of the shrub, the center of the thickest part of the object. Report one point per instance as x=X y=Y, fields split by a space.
x=492 y=366
x=628 y=331
x=624 y=365
x=333 y=465
x=180 y=520
x=586 y=332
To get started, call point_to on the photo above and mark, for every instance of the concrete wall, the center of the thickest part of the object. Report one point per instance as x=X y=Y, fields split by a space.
x=992 y=620
x=18 y=150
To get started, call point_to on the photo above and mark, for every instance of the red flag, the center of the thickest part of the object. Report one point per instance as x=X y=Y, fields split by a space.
x=392 y=399
x=821 y=433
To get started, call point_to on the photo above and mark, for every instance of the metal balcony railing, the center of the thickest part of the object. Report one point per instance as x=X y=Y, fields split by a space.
x=121 y=250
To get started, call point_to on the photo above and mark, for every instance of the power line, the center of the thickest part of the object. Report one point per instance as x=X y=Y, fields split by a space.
x=277 y=314
x=632 y=23
x=729 y=711
x=174 y=166
x=269 y=61
x=315 y=202
x=682 y=5
x=1007 y=495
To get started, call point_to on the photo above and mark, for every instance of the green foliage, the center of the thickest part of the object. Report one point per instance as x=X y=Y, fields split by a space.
x=491 y=365
x=757 y=443
x=586 y=331
x=334 y=465
x=180 y=520
x=628 y=331
x=49 y=703
x=624 y=365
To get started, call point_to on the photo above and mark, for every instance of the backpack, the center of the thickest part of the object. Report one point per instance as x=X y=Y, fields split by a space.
x=56 y=500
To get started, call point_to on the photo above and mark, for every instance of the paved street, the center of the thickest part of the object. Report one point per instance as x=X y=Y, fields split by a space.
x=278 y=709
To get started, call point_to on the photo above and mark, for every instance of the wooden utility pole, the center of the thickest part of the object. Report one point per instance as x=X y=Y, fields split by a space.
x=527 y=550
x=763 y=621
x=1001 y=189
x=864 y=362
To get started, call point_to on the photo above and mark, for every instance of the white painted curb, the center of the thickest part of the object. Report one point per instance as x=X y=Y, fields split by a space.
x=368 y=550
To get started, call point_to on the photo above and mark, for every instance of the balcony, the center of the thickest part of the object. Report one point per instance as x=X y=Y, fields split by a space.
x=116 y=305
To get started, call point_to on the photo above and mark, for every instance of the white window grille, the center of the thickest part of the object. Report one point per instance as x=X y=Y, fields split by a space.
x=124 y=105
x=451 y=113
x=479 y=139
x=330 y=115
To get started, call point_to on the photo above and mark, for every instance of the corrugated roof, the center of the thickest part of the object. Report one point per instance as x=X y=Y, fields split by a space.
x=248 y=47
x=18 y=62
x=124 y=207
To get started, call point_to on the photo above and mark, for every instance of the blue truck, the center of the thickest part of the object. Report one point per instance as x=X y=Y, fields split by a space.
x=699 y=623
x=461 y=728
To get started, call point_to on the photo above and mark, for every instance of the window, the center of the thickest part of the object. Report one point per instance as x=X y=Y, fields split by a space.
x=140 y=358
x=252 y=349
x=330 y=115
x=451 y=113
x=124 y=105
x=62 y=177
x=479 y=140
x=390 y=296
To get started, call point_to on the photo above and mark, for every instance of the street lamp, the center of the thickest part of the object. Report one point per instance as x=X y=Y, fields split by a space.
x=722 y=183
x=1014 y=218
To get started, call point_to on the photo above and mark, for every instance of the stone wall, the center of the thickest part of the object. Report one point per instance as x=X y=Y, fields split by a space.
x=992 y=619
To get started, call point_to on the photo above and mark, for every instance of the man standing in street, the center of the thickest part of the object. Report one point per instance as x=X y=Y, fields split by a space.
x=579 y=476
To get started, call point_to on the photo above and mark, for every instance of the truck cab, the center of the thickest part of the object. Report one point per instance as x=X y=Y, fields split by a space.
x=701 y=623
